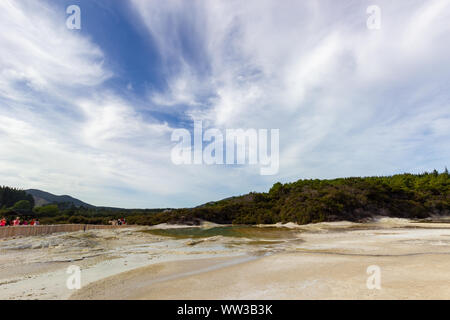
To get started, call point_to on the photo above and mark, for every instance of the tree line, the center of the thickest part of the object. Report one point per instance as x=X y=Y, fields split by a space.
x=10 y=196
x=414 y=196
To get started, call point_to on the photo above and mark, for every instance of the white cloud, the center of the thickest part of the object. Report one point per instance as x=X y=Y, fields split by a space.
x=342 y=95
x=39 y=52
x=60 y=129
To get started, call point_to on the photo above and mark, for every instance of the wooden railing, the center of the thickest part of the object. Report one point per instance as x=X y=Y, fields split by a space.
x=26 y=231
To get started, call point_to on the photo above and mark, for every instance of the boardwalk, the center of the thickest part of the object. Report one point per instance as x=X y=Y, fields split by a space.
x=8 y=232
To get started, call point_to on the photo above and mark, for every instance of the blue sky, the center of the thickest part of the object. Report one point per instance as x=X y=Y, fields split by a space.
x=90 y=112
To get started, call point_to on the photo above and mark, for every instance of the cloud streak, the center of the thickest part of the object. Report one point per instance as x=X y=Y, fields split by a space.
x=347 y=100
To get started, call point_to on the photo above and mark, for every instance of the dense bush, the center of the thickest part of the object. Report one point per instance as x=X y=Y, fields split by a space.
x=22 y=206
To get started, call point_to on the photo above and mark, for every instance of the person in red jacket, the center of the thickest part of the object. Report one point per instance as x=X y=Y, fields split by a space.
x=3 y=222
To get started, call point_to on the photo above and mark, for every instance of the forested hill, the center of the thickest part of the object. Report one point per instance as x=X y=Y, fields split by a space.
x=42 y=198
x=308 y=201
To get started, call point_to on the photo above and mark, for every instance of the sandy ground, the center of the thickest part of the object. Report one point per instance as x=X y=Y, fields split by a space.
x=322 y=261
x=36 y=267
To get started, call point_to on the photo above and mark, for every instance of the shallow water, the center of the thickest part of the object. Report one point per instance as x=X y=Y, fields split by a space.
x=250 y=232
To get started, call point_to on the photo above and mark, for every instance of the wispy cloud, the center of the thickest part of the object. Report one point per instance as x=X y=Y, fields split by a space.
x=347 y=100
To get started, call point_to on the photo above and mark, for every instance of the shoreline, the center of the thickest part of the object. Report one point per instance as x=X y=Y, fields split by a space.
x=279 y=276
x=317 y=261
x=331 y=263
x=112 y=288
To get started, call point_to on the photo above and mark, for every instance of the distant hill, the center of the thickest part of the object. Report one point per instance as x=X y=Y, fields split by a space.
x=42 y=198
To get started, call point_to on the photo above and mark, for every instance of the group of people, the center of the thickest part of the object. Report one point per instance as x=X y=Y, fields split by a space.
x=18 y=222
x=118 y=222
